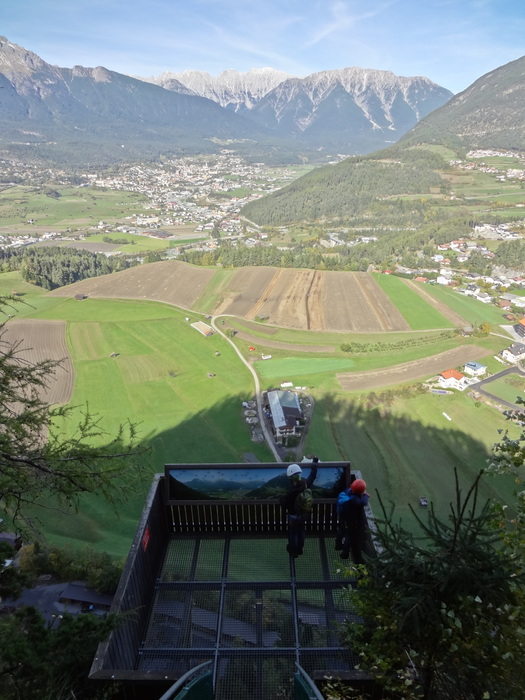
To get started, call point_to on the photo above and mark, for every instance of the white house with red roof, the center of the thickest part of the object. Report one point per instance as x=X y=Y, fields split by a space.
x=453 y=379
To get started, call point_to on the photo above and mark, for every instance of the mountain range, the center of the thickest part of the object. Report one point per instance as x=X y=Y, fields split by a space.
x=352 y=110
x=98 y=116
x=488 y=114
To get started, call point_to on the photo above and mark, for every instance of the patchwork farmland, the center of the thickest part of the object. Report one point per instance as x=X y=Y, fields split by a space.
x=309 y=300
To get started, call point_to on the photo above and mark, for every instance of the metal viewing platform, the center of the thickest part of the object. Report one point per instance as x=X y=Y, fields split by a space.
x=208 y=579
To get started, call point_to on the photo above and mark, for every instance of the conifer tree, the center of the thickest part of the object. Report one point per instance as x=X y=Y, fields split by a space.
x=443 y=609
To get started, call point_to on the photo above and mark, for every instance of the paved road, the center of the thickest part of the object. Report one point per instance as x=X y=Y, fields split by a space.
x=269 y=438
x=480 y=386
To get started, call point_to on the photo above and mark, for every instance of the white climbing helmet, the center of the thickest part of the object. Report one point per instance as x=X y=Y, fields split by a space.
x=293 y=469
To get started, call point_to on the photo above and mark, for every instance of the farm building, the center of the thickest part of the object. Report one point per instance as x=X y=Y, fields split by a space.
x=475 y=369
x=78 y=594
x=514 y=353
x=285 y=411
x=452 y=379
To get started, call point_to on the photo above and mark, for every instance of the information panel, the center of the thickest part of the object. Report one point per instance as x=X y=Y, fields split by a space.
x=254 y=482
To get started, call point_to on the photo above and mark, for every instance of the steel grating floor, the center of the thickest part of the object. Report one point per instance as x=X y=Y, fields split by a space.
x=244 y=604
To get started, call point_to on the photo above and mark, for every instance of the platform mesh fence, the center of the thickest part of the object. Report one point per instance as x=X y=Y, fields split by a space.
x=251 y=609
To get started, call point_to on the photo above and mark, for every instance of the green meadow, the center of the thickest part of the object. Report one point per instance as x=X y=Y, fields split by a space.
x=212 y=293
x=474 y=311
x=135 y=244
x=158 y=378
x=507 y=388
x=73 y=206
x=409 y=449
x=319 y=370
x=416 y=311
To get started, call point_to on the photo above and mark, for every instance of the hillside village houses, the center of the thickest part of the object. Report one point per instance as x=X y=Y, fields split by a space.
x=475 y=369
x=514 y=353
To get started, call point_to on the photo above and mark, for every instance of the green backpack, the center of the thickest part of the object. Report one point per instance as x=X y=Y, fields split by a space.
x=304 y=502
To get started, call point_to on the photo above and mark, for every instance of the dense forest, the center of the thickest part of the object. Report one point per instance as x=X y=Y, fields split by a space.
x=347 y=189
x=511 y=255
x=52 y=267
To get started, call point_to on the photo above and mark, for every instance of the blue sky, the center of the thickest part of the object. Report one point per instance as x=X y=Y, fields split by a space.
x=452 y=42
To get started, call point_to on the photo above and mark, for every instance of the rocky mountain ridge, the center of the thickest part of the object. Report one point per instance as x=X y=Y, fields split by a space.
x=350 y=110
x=231 y=89
x=97 y=115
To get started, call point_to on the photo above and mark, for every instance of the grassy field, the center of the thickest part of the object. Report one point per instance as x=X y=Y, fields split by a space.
x=416 y=311
x=211 y=294
x=318 y=371
x=314 y=338
x=136 y=244
x=74 y=206
x=471 y=309
x=409 y=449
x=158 y=379
x=508 y=387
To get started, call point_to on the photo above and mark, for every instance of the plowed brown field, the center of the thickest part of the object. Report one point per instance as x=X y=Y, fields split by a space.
x=354 y=301
x=245 y=289
x=44 y=340
x=410 y=371
x=302 y=299
x=170 y=281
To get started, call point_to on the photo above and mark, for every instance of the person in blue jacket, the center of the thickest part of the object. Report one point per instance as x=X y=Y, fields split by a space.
x=350 y=509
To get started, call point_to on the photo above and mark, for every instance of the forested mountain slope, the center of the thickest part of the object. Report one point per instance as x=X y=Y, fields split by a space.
x=489 y=113
x=349 y=188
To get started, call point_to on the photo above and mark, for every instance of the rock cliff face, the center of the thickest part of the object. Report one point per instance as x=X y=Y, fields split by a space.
x=231 y=89
x=352 y=110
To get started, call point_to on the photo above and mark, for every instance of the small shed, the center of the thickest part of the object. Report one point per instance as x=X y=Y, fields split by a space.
x=77 y=593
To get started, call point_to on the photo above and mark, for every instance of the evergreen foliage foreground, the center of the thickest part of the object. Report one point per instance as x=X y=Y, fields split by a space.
x=442 y=610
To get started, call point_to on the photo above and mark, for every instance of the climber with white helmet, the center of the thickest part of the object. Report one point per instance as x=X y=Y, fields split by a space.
x=298 y=503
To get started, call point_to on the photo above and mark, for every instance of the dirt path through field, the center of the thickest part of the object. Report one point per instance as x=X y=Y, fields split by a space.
x=410 y=371
x=280 y=345
x=314 y=306
x=371 y=299
x=443 y=309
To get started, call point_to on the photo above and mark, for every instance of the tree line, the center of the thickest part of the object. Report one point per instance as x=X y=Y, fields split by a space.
x=51 y=267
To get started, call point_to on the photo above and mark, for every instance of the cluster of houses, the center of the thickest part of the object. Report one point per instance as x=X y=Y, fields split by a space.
x=473 y=371
x=454 y=379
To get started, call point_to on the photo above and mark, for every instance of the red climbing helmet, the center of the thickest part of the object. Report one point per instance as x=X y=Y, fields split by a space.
x=358 y=486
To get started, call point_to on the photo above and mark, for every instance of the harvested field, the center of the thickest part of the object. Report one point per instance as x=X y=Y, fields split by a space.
x=169 y=281
x=45 y=340
x=442 y=308
x=245 y=290
x=287 y=303
x=312 y=300
x=354 y=301
x=410 y=371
